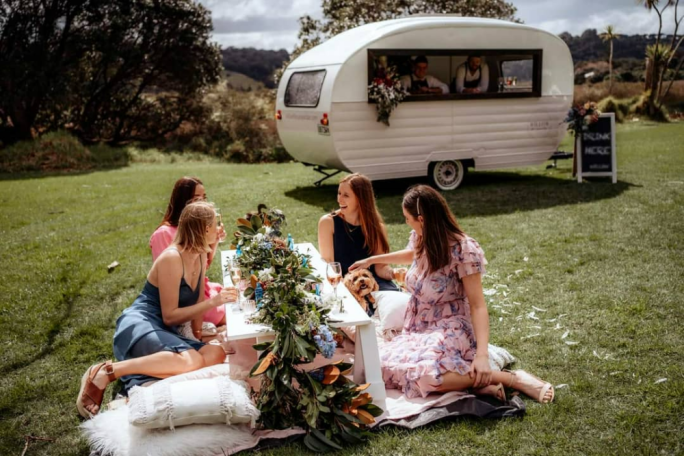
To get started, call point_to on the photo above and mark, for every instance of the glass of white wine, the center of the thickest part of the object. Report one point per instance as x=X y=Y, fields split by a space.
x=235 y=276
x=219 y=224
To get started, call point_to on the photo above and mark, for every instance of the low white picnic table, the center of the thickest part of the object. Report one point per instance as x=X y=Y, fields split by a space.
x=366 y=356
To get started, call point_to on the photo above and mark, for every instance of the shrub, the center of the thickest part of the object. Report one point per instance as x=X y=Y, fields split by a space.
x=643 y=107
x=241 y=128
x=58 y=151
x=619 y=107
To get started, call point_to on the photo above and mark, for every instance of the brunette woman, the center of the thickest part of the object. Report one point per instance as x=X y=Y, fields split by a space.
x=444 y=343
x=185 y=190
x=356 y=231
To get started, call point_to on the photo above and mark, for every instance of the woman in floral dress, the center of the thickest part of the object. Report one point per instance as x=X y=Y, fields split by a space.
x=443 y=346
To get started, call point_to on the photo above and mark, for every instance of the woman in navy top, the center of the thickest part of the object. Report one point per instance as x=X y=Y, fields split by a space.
x=356 y=231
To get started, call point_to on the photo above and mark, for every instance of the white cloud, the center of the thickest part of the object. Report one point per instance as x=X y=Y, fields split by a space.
x=272 y=24
x=631 y=22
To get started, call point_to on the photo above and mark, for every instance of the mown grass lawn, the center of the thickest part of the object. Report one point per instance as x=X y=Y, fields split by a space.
x=604 y=261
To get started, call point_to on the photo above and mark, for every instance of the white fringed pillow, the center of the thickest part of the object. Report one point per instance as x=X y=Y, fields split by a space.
x=203 y=401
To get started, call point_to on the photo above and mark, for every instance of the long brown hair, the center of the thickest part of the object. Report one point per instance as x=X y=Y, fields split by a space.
x=370 y=218
x=183 y=192
x=192 y=227
x=439 y=224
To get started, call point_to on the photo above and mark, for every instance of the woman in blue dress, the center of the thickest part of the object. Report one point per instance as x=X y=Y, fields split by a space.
x=146 y=343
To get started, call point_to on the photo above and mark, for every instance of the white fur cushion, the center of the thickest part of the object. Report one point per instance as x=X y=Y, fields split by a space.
x=202 y=401
x=391 y=307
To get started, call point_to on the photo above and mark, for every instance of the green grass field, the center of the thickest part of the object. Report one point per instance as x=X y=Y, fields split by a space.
x=604 y=261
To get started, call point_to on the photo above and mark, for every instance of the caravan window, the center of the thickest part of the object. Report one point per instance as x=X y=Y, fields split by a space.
x=304 y=89
x=429 y=74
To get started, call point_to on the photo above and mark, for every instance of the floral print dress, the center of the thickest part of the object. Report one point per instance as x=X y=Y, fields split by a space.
x=438 y=334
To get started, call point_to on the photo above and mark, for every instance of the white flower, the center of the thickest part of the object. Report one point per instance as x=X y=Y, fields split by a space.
x=266 y=275
x=259 y=238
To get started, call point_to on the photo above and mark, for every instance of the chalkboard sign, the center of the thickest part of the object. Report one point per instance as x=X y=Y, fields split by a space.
x=596 y=147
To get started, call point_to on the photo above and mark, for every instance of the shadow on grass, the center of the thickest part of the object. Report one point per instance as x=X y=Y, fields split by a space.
x=482 y=194
x=26 y=175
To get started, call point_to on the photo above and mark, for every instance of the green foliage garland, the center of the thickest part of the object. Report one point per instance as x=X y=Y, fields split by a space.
x=333 y=409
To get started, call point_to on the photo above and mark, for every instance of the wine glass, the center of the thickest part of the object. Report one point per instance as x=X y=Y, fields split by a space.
x=400 y=275
x=235 y=274
x=333 y=273
x=219 y=223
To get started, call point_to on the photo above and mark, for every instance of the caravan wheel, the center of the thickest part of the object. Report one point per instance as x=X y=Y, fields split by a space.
x=447 y=175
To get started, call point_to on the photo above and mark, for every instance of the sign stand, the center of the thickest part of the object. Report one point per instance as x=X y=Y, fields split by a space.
x=596 y=154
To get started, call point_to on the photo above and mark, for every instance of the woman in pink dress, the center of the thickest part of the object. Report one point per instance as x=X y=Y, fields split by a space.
x=186 y=190
x=443 y=346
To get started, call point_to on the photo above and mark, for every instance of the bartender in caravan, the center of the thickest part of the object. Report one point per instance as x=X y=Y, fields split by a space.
x=421 y=83
x=472 y=76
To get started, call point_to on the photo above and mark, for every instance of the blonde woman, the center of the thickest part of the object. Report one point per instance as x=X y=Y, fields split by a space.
x=146 y=342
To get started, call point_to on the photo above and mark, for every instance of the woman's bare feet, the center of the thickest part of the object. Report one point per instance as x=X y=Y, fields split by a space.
x=532 y=386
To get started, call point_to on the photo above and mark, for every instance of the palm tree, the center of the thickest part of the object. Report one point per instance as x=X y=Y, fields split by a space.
x=610 y=35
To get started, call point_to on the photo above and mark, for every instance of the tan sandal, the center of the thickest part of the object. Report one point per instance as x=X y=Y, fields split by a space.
x=495 y=390
x=531 y=385
x=89 y=393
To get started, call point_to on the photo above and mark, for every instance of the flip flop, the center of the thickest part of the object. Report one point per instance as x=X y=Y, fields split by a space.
x=532 y=386
x=89 y=393
x=495 y=390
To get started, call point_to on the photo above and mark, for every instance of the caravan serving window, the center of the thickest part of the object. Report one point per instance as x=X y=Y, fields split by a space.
x=460 y=73
x=304 y=89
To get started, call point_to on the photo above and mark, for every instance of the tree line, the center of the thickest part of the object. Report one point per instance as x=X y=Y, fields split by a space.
x=107 y=70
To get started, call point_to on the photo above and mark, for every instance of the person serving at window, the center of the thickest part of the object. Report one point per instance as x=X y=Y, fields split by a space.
x=421 y=83
x=472 y=76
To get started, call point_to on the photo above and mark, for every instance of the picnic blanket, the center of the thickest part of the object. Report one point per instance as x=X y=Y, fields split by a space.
x=110 y=434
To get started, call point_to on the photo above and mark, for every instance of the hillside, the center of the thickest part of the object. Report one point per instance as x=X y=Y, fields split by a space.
x=589 y=53
x=258 y=64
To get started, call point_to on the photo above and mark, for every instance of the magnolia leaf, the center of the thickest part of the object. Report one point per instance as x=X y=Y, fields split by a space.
x=331 y=373
x=262 y=346
x=246 y=230
x=373 y=410
x=362 y=399
x=315 y=445
x=256 y=223
x=265 y=363
x=248 y=292
x=325 y=440
x=244 y=222
x=366 y=417
x=362 y=387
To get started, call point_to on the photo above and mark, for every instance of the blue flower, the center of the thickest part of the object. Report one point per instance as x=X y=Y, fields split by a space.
x=325 y=342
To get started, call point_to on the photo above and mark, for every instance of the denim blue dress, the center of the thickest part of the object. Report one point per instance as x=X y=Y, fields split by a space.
x=140 y=330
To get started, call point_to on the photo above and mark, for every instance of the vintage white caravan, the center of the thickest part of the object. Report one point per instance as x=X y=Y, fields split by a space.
x=324 y=116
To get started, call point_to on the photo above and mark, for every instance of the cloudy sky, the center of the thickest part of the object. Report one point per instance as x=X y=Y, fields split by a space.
x=272 y=24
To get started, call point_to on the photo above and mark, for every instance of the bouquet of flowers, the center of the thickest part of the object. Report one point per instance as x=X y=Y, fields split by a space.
x=387 y=93
x=333 y=409
x=581 y=116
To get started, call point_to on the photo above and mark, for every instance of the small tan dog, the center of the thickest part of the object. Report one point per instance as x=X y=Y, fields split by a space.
x=361 y=284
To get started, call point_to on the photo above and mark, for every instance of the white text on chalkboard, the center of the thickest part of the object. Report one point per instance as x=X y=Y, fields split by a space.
x=597 y=136
x=597 y=150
